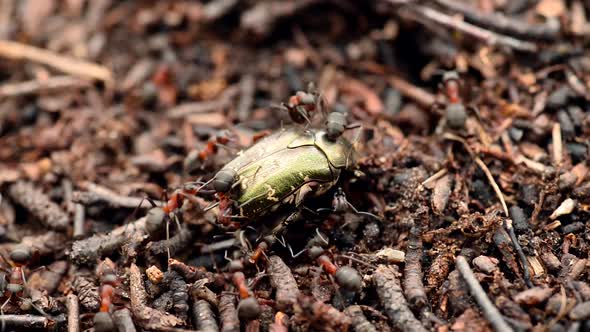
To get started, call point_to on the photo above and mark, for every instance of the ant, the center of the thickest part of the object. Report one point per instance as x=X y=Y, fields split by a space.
x=347 y=277
x=108 y=281
x=248 y=307
x=455 y=111
x=340 y=204
x=197 y=159
x=14 y=282
x=302 y=105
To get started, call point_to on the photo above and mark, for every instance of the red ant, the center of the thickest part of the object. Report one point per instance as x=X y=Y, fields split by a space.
x=14 y=283
x=103 y=320
x=451 y=87
x=108 y=281
x=248 y=307
x=302 y=105
x=455 y=111
x=221 y=139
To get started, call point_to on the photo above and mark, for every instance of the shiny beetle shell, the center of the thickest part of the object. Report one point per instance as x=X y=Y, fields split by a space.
x=286 y=167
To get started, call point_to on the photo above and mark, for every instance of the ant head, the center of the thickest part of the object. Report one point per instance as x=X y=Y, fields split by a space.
x=450 y=76
x=224 y=180
x=21 y=254
x=109 y=278
x=335 y=124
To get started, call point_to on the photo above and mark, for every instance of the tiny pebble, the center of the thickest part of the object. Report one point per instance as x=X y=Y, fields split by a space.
x=533 y=296
x=566 y=207
x=391 y=255
x=581 y=311
x=486 y=264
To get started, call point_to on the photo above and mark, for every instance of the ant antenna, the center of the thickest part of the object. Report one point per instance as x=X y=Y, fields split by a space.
x=297 y=254
x=317 y=230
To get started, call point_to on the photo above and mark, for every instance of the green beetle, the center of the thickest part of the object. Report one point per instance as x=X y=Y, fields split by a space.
x=281 y=169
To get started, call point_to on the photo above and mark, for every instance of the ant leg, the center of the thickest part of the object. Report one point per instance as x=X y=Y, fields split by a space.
x=211 y=206
x=226 y=257
x=368 y=214
x=244 y=241
x=6 y=260
x=297 y=254
x=317 y=230
x=177 y=222
x=2 y=312
x=318 y=211
x=136 y=210
x=168 y=239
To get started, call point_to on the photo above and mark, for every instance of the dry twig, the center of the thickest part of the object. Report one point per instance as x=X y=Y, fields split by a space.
x=489 y=310
x=72 y=66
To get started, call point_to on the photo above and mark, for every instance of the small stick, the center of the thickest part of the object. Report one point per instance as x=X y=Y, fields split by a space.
x=489 y=37
x=26 y=322
x=282 y=280
x=413 y=286
x=501 y=23
x=123 y=320
x=88 y=251
x=79 y=217
x=39 y=204
x=53 y=83
x=148 y=318
x=46 y=244
x=507 y=222
x=183 y=238
x=180 y=294
x=321 y=314
x=407 y=89
x=426 y=183
x=520 y=252
x=72 y=66
x=392 y=299
x=73 y=313
x=97 y=193
x=247 y=90
x=488 y=309
x=557 y=144
x=217 y=8
x=359 y=321
x=187 y=109
x=203 y=315
x=228 y=313
x=494 y=185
